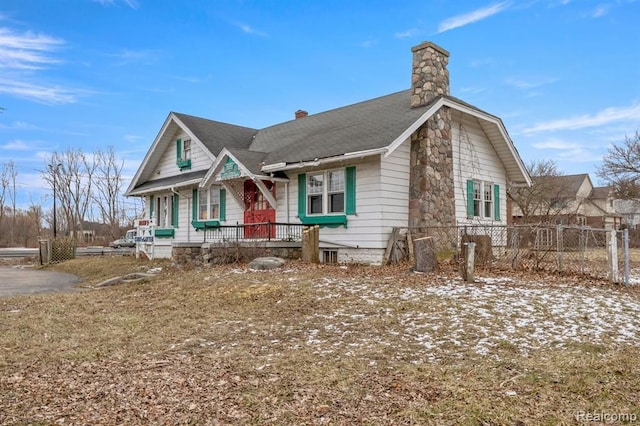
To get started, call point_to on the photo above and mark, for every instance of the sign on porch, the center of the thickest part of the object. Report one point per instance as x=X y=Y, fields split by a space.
x=230 y=170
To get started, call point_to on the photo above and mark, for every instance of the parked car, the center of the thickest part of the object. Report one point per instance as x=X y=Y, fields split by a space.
x=129 y=240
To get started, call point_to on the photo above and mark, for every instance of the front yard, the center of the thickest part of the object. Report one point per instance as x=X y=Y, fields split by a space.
x=320 y=345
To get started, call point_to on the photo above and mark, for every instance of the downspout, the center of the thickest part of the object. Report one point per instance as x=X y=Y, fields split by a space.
x=286 y=199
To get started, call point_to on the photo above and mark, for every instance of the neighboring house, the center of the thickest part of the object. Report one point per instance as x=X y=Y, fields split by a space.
x=629 y=210
x=416 y=158
x=570 y=200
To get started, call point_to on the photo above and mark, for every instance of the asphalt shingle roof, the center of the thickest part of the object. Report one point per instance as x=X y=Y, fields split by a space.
x=362 y=126
x=564 y=185
x=216 y=135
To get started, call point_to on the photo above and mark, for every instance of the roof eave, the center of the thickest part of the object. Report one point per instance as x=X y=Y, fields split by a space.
x=277 y=167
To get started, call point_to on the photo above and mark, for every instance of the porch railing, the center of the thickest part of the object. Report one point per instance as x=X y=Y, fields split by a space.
x=266 y=231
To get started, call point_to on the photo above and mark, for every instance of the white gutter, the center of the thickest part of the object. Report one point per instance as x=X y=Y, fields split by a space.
x=163 y=188
x=347 y=156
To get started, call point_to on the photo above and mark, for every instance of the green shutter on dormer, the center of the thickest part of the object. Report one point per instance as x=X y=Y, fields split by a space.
x=470 y=212
x=223 y=204
x=350 y=207
x=302 y=195
x=496 y=202
x=178 y=149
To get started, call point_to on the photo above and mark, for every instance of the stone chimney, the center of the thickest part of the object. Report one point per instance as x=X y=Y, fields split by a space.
x=300 y=114
x=431 y=184
x=429 y=76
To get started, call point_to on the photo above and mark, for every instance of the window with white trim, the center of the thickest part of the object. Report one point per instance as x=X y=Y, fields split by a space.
x=487 y=200
x=165 y=210
x=326 y=198
x=186 y=149
x=483 y=199
x=209 y=203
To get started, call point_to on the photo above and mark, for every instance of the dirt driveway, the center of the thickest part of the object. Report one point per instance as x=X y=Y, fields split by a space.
x=21 y=280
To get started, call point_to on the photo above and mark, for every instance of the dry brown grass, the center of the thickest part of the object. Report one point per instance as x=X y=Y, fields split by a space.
x=307 y=345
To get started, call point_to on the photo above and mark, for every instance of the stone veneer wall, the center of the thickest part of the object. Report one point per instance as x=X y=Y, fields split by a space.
x=217 y=253
x=431 y=190
x=429 y=76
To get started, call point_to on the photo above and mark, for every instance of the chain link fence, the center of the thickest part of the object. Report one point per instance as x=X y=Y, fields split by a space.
x=550 y=248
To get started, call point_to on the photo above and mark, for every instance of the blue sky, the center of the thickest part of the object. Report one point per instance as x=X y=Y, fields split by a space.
x=564 y=75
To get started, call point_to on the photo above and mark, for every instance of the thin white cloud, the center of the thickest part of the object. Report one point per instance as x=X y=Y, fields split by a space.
x=411 y=32
x=248 y=29
x=369 y=43
x=532 y=83
x=606 y=116
x=17 y=145
x=568 y=151
x=471 y=17
x=481 y=62
x=129 y=56
x=26 y=51
x=133 y=4
x=600 y=11
x=555 y=143
x=49 y=95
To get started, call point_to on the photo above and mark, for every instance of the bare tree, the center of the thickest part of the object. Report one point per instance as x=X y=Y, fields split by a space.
x=108 y=188
x=72 y=174
x=544 y=197
x=621 y=168
x=13 y=173
x=4 y=188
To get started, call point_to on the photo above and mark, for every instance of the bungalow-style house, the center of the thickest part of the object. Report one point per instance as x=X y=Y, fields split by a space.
x=570 y=200
x=415 y=158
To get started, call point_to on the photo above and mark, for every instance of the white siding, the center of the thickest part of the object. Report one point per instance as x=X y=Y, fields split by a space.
x=167 y=165
x=475 y=158
x=364 y=229
x=394 y=188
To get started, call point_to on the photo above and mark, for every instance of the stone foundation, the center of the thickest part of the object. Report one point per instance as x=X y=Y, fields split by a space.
x=222 y=253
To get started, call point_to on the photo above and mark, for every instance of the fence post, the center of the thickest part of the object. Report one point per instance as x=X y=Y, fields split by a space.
x=625 y=240
x=469 y=262
x=612 y=255
x=559 y=247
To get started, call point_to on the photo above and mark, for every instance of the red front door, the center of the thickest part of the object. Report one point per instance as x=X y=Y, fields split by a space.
x=258 y=210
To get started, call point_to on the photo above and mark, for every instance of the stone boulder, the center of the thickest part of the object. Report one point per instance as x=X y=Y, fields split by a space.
x=266 y=263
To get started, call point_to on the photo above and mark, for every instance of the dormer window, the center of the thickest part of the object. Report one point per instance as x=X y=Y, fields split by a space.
x=183 y=154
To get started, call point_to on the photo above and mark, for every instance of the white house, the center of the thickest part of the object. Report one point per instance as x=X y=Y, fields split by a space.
x=415 y=158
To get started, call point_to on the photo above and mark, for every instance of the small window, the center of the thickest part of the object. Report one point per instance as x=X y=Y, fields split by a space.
x=209 y=204
x=186 y=149
x=483 y=199
x=333 y=192
x=315 y=191
x=164 y=211
x=330 y=256
x=488 y=200
x=336 y=191
x=477 y=198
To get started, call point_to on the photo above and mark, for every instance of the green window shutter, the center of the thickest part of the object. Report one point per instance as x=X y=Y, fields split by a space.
x=496 y=202
x=151 y=202
x=350 y=195
x=194 y=205
x=223 y=204
x=176 y=209
x=470 y=198
x=178 y=149
x=302 y=195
